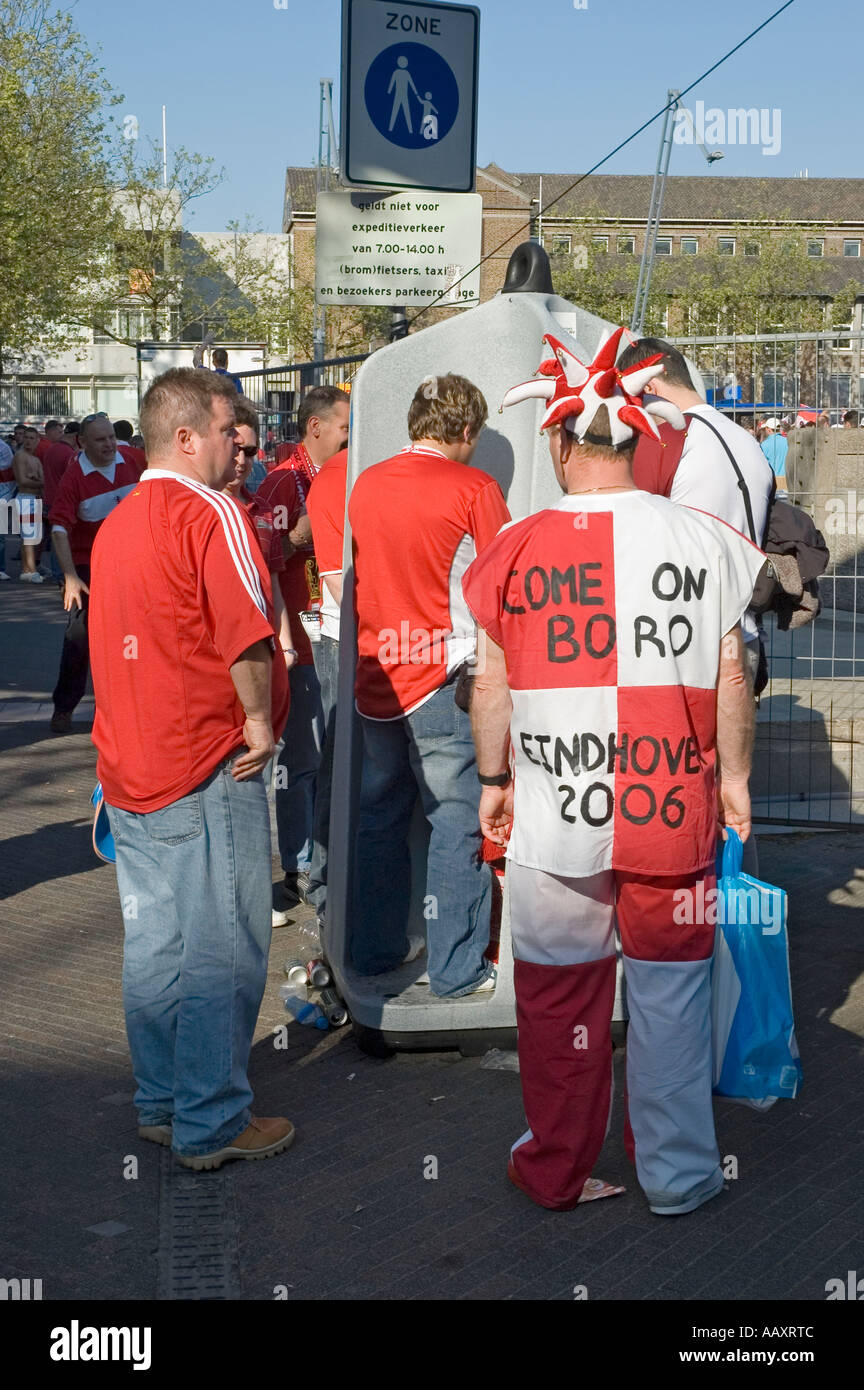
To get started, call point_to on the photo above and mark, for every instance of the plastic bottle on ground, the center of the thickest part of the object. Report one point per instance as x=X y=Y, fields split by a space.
x=299 y=1007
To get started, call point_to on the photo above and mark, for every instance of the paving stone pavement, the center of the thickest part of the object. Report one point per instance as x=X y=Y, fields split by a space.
x=349 y=1211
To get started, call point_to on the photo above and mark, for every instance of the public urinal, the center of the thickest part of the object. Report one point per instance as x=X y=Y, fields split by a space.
x=495 y=345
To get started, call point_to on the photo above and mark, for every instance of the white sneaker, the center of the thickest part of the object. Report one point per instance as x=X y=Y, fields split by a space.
x=34 y=578
x=4 y=575
x=279 y=919
x=416 y=947
x=485 y=988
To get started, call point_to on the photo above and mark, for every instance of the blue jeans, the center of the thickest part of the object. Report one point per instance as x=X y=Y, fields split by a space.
x=326 y=655
x=296 y=770
x=430 y=753
x=194 y=881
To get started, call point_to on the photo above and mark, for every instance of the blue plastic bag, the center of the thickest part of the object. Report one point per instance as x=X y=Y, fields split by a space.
x=753 y=1030
x=103 y=840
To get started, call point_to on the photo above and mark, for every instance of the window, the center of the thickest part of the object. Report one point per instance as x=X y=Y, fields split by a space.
x=561 y=245
x=752 y=249
x=626 y=245
x=689 y=245
x=839 y=391
x=726 y=245
x=851 y=248
x=772 y=388
x=44 y=400
x=663 y=246
x=132 y=324
x=816 y=247
x=600 y=243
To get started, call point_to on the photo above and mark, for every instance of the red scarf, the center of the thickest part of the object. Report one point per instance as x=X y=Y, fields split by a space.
x=305 y=469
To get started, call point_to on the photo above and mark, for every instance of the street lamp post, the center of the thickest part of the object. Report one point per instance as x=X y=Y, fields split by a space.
x=658 y=189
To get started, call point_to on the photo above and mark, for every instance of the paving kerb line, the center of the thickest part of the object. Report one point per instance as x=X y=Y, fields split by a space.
x=447 y=1233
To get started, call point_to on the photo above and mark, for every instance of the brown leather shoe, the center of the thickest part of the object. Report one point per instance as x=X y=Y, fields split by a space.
x=262 y=1138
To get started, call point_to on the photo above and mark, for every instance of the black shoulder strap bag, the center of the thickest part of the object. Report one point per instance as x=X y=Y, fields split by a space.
x=766 y=575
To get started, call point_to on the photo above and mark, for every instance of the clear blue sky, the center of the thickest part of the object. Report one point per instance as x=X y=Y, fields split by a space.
x=559 y=87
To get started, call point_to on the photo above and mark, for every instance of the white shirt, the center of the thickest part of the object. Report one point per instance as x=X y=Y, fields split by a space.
x=706 y=479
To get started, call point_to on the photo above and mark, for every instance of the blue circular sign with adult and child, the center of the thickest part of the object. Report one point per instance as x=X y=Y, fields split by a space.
x=411 y=95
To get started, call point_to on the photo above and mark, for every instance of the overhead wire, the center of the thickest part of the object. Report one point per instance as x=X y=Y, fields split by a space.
x=630 y=138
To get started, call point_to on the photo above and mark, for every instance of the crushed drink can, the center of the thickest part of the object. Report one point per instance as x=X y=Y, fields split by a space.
x=317 y=973
x=295 y=970
x=333 y=1008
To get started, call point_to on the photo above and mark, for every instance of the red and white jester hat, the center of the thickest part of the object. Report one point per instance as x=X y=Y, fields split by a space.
x=575 y=392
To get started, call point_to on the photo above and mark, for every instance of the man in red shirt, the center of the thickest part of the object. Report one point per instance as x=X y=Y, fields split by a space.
x=326 y=508
x=322 y=421
x=53 y=433
x=189 y=702
x=93 y=484
x=55 y=461
x=260 y=515
x=417 y=522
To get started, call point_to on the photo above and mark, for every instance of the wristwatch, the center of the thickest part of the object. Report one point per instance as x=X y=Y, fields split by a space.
x=501 y=779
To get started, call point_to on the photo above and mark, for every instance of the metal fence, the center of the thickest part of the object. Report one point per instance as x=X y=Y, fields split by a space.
x=809 y=762
x=277 y=392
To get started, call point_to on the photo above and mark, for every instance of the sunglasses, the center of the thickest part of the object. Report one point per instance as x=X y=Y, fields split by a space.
x=250 y=450
x=100 y=415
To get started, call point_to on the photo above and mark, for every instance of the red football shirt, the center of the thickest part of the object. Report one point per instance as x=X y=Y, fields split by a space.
x=417 y=522
x=87 y=495
x=179 y=591
x=284 y=493
x=326 y=507
x=269 y=538
x=55 y=461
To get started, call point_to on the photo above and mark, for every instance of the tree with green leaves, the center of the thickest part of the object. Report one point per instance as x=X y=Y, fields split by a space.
x=56 y=199
x=771 y=286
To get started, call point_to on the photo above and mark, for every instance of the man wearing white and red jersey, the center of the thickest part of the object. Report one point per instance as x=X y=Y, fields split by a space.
x=614 y=668
x=325 y=505
x=322 y=421
x=91 y=487
x=417 y=521
x=7 y=475
x=189 y=700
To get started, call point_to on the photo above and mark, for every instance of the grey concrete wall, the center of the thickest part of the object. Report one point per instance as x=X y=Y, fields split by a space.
x=825 y=469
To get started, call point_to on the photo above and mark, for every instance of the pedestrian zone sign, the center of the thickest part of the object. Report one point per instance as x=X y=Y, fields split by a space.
x=409 y=94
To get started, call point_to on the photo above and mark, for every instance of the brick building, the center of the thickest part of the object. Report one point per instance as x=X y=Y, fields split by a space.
x=610 y=211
